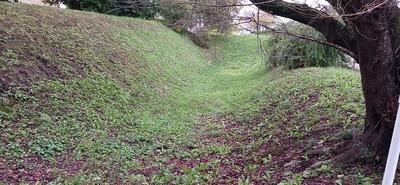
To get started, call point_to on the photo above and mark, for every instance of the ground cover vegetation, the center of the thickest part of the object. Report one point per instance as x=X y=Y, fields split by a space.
x=97 y=99
x=368 y=31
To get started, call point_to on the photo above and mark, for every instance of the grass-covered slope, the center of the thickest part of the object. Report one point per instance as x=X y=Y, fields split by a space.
x=93 y=99
x=77 y=87
x=77 y=57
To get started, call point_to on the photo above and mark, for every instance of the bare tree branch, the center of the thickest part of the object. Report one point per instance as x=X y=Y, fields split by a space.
x=335 y=32
x=310 y=38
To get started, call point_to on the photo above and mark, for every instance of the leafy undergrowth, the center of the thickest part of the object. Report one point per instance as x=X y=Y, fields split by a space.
x=267 y=139
x=83 y=94
x=95 y=99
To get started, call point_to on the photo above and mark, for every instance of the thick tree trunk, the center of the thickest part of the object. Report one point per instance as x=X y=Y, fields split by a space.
x=378 y=67
x=378 y=75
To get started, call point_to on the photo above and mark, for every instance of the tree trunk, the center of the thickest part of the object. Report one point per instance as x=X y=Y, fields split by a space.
x=379 y=81
x=75 y=4
x=378 y=67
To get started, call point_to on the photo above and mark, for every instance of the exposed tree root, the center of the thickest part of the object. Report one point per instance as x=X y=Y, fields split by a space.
x=351 y=152
x=319 y=152
x=307 y=172
x=351 y=155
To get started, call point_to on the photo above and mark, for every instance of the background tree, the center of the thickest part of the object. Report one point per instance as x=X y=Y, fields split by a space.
x=131 y=8
x=146 y=9
x=199 y=19
x=174 y=10
x=200 y=15
x=369 y=31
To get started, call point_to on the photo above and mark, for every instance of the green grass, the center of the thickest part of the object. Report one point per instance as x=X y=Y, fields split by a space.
x=94 y=99
x=236 y=70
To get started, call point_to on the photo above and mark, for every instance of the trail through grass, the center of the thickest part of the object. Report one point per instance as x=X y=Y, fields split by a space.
x=231 y=79
x=250 y=126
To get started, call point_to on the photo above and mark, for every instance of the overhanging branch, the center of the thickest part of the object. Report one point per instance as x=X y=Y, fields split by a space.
x=313 y=39
x=334 y=31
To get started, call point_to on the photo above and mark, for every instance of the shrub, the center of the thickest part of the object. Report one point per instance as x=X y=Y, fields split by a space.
x=292 y=52
x=173 y=13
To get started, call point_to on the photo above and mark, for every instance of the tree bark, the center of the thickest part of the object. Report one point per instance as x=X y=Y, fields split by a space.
x=371 y=33
x=74 y=4
x=378 y=82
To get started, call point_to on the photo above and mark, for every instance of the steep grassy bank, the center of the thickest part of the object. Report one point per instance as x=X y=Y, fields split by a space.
x=83 y=91
x=94 y=99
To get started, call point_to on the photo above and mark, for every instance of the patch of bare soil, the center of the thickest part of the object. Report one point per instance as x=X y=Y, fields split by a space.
x=33 y=169
x=39 y=69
